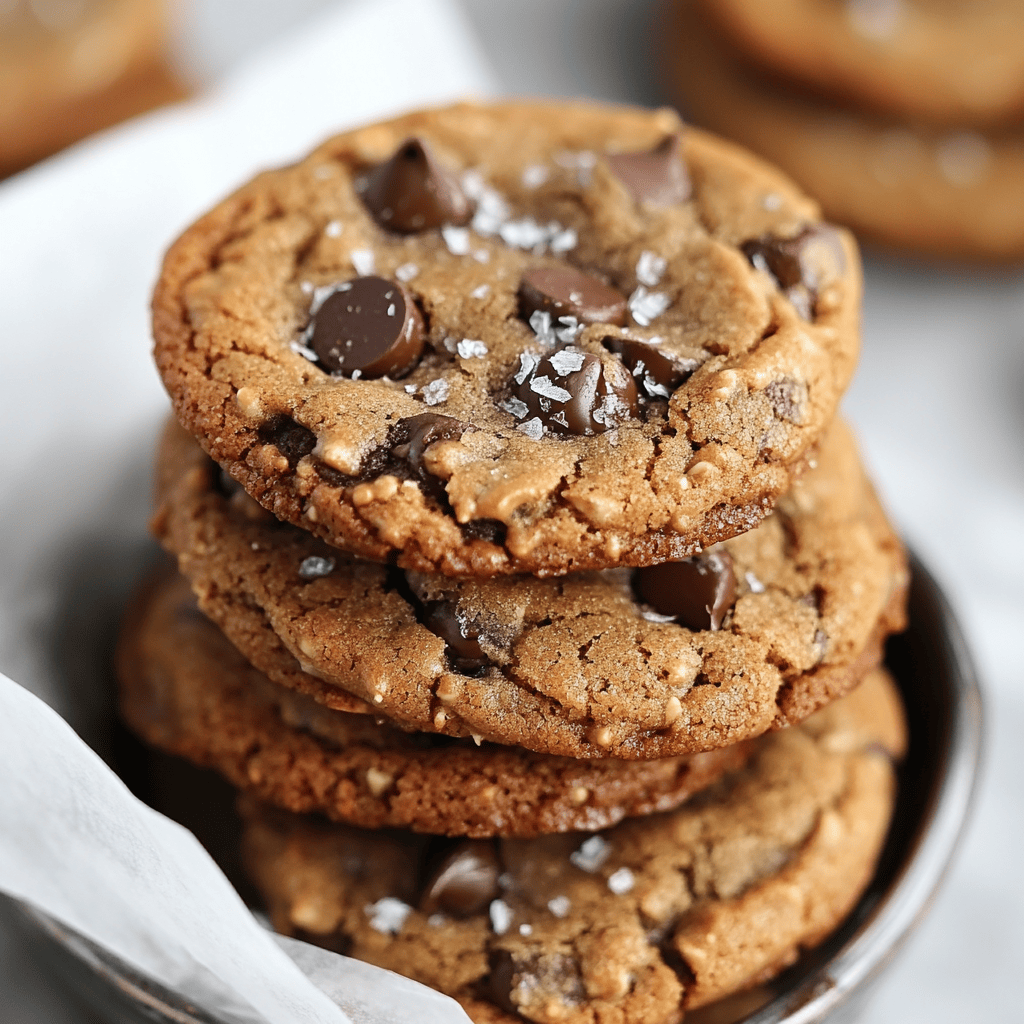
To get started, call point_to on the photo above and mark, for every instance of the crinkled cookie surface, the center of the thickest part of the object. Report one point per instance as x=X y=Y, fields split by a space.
x=184 y=688
x=636 y=924
x=581 y=666
x=528 y=419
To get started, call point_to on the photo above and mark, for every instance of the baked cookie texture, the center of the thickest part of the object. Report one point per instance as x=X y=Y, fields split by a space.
x=187 y=690
x=930 y=61
x=535 y=421
x=579 y=666
x=951 y=191
x=638 y=923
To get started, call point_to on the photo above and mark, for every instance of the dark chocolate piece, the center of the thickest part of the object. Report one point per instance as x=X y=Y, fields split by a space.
x=696 y=592
x=462 y=638
x=540 y=977
x=565 y=292
x=413 y=435
x=575 y=392
x=370 y=325
x=465 y=882
x=657 y=176
x=658 y=373
x=802 y=265
x=412 y=191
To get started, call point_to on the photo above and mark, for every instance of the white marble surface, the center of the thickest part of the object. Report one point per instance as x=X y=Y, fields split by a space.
x=939 y=404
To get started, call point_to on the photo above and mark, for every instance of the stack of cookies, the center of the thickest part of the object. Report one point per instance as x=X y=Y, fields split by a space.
x=903 y=117
x=541 y=595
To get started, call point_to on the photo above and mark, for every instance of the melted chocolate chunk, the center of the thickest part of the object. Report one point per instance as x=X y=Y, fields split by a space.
x=291 y=439
x=461 y=637
x=802 y=265
x=575 y=392
x=696 y=592
x=465 y=882
x=412 y=191
x=565 y=291
x=370 y=325
x=657 y=176
x=540 y=977
x=658 y=373
x=412 y=436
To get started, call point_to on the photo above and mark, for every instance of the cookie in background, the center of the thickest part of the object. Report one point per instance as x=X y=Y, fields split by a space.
x=933 y=171
x=69 y=68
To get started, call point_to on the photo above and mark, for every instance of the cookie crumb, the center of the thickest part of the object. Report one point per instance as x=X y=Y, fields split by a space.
x=378 y=782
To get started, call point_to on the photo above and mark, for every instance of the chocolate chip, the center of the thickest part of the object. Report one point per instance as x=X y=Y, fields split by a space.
x=461 y=637
x=413 y=435
x=801 y=265
x=371 y=325
x=291 y=439
x=566 y=291
x=657 y=372
x=657 y=176
x=412 y=191
x=517 y=978
x=696 y=592
x=575 y=392
x=465 y=882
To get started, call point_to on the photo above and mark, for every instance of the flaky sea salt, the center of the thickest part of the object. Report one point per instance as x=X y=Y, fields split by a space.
x=647 y=306
x=533 y=429
x=333 y=229
x=363 y=260
x=436 y=392
x=535 y=175
x=621 y=881
x=470 y=349
x=650 y=268
x=457 y=239
x=406 y=272
x=501 y=916
x=592 y=853
x=481 y=291
x=387 y=915
x=560 y=906
x=756 y=586
x=315 y=567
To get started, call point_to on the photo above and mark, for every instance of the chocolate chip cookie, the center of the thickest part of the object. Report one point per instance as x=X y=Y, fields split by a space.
x=938 y=61
x=636 y=924
x=186 y=689
x=492 y=339
x=753 y=634
x=948 y=192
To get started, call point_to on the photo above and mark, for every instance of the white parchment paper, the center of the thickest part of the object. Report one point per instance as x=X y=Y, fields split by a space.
x=81 y=238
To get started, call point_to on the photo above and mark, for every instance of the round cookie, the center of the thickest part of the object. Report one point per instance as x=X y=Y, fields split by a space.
x=943 y=62
x=593 y=665
x=638 y=924
x=583 y=367
x=70 y=69
x=948 y=193
x=186 y=689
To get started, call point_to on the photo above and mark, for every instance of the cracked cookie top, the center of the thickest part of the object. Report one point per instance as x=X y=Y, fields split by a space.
x=512 y=338
x=184 y=688
x=754 y=634
x=637 y=924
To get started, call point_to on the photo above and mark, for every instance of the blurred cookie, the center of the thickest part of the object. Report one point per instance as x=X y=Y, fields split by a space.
x=513 y=338
x=186 y=689
x=636 y=924
x=754 y=634
x=70 y=69
x=942 y=192
x=943 y=62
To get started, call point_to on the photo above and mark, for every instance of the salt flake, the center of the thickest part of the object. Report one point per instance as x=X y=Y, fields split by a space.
x=363 y=260
x=387 y=915
x=591 y=855
x=470 y=349
x=501 y=916
x=437 y=391
x=621 y=882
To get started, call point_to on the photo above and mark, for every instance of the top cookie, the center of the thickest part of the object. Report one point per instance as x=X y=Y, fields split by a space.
x=939 y=61
x=512 y=338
